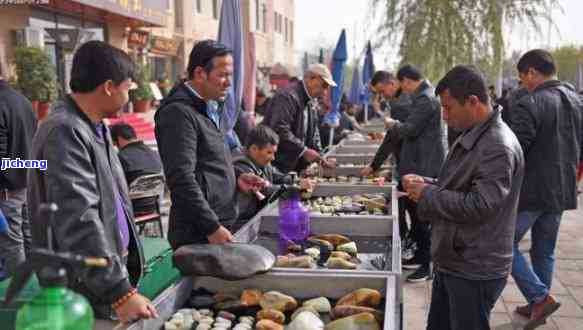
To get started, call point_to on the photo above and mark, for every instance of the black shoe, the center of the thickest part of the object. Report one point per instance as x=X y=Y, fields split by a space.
x=420 y=275
x=412 y=263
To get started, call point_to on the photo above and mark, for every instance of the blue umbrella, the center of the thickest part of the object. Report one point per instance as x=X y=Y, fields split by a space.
x=355 y=86
x=339 y=57
x=231 y=35
x=579 y=77
x=367 y=73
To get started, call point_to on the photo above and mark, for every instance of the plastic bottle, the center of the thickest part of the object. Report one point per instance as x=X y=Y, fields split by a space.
x=294 y=218
x=55 y=307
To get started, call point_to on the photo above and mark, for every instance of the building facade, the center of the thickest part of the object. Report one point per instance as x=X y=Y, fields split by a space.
x=59 y=26
x=159 y=33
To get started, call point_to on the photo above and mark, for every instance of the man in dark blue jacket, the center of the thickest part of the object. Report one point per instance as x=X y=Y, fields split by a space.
x=549 y=125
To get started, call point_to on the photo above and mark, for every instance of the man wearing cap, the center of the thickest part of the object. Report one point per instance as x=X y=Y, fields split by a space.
x=292 y=114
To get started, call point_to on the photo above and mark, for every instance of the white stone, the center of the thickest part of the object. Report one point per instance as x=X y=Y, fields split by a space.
x=306 y=321
x=170 y=326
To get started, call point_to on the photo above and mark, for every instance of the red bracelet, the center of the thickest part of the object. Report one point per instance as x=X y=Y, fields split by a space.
x=124 y=299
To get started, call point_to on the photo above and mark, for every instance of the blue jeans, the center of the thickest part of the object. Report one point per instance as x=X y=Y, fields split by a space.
x=535 y=281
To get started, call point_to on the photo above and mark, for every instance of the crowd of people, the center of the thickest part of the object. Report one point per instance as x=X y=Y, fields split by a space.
x=476 y=174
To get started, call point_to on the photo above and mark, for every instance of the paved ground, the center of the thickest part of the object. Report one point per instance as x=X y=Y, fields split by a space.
x=567 y=286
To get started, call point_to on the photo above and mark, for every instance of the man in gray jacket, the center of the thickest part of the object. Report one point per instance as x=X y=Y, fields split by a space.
x=471 y=206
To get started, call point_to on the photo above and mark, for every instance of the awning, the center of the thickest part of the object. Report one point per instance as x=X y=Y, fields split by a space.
x=136 y=13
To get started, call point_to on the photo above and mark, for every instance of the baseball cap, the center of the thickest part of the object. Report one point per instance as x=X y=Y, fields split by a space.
x=322 y=71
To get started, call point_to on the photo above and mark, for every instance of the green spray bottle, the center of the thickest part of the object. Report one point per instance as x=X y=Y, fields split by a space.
x=55 y=307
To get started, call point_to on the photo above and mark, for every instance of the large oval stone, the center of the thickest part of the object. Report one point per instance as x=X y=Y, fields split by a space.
x=278 y=301
x=363 y=321
x=361 y=297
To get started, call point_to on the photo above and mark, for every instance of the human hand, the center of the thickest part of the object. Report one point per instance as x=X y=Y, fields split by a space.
x=329 y=162
x=220 y=236
x=248 y=182
x=137 y=307
x=366 y=171
x=307 y=184
x=311 y=155
x=390 y=122
x=414 y=185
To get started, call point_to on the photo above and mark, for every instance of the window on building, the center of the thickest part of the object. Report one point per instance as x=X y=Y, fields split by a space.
x=216 y=9
x=264 y=18
x=178 y=15
x=280 y=22
x=275 y=21
x=286 y=29
x=257 y=16
x=291 y=32
x=199 y=6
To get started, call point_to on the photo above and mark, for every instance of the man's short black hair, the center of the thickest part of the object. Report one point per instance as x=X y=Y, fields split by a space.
x=203 y=53
x=96 y=62
x=410 y=72
x=463 y=81
x=122 y=130
x=261 y=136
x=381 y=77
x=538 y=59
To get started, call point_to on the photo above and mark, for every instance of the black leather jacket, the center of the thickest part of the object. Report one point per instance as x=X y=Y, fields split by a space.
x=78 y=179
x=285 y=115
x=423 y=146
x=472 y=207
x=549 y=125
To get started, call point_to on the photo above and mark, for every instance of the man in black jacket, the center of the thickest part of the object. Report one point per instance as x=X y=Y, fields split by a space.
x=17 y=127
x=292 y=114
x=262 y=144
x=85 y=179
x=137 y=159
x=387 y=86
x=197 y=161
x=422 y=152
x=471 y=206
x=549 y=125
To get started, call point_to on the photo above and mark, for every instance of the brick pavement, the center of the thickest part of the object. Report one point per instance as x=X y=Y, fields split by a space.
x=567 y=286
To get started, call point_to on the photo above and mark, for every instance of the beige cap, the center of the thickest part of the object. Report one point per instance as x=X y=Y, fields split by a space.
x=322 y=71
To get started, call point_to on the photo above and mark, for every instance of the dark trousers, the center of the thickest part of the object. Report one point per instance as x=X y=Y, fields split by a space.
x=16 y=242
x=420 y=233
x=462 y=304
x=403 y=227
